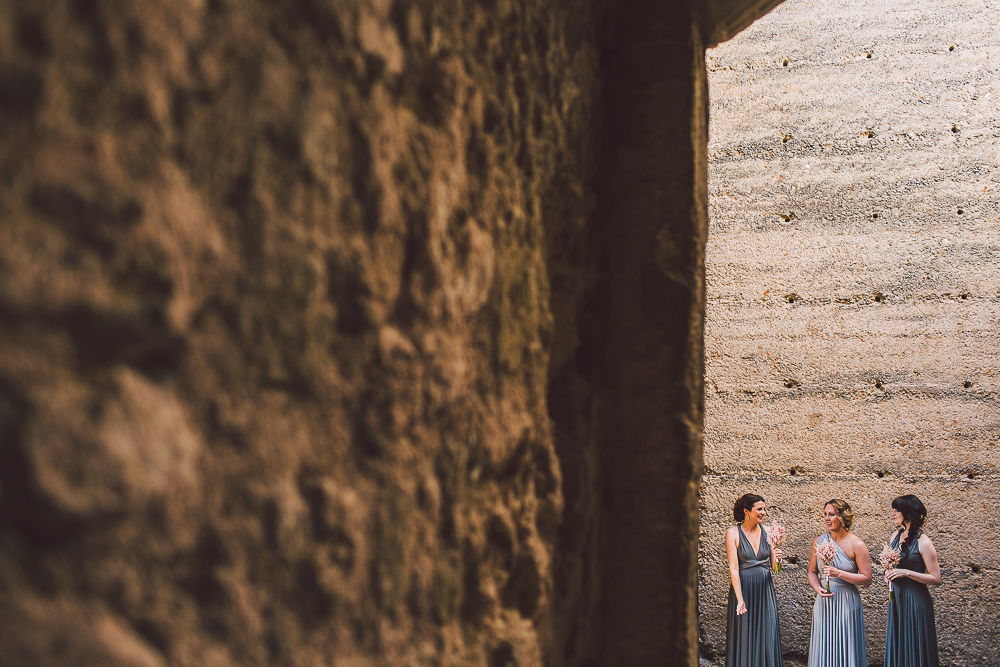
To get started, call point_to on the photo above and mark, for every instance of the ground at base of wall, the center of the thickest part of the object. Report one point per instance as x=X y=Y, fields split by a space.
x=788 y=662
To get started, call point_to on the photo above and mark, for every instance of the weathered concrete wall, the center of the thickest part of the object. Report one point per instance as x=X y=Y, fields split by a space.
x=853 y=323
x=275 y=328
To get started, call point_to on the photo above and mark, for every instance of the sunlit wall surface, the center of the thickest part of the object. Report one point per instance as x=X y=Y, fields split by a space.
x=852 y=337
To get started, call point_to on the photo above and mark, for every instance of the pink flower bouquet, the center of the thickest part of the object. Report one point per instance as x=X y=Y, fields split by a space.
x=776 y=535
x=889 y=558
x=826 y=553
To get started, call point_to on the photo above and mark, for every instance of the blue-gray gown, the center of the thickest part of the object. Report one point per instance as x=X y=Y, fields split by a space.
x=910 y=635
x=752 y=639
x=838 y=627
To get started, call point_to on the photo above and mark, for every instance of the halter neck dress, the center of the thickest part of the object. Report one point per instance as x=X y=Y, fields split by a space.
x=752 y=639
x=910 y=634
x=838 y=627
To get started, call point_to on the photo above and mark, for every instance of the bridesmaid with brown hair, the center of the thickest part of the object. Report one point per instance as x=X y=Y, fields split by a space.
x=910 y=633
x=752 y=637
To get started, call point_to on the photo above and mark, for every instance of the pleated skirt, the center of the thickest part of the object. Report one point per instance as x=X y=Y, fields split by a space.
x=753 y=639
x=838 y=629
x=910 y=634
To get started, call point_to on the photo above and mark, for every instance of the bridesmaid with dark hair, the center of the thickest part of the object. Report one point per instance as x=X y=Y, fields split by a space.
x=752 y=637
x=910 y=635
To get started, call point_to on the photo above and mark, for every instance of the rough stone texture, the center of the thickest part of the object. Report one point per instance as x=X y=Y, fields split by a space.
x=274 y=312
x=646 y=347
x=853 y=298
x=721 y=20
x=354 y=333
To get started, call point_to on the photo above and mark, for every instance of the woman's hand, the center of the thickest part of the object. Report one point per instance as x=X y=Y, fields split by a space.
x=831 y=571
x=778 y=553
x=741 y=608
x=897 y=573
x=823 y=594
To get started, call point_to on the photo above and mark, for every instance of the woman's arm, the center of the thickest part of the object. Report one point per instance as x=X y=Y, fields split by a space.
x=863 y=577
x=892 y=536
x=814 y=573
x=863 y=557
x=732 y=543
x=933 y=575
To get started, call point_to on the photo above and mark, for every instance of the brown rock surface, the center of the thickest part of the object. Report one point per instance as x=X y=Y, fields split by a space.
x=275 y=317
x=852 y=324
x=353 y=333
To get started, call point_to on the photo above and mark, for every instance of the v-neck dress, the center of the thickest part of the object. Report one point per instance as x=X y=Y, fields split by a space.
x=910 y=634
x=753 y=639
x=838 y=626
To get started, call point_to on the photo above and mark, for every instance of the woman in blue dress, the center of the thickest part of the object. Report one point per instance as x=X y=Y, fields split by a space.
x=910 y=634
x=838 y=626
x=752 y=637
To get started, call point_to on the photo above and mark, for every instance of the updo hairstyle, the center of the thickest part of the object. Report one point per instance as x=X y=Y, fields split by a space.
x=844 y=511
x=744 y=504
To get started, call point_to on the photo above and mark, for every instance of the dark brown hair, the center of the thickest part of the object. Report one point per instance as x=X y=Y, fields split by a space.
x=913 y=511
x=745 y=503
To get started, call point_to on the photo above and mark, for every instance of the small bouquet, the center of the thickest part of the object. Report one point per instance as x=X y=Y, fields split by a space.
x=776 y=537
x=889 y=558
x=826 y=553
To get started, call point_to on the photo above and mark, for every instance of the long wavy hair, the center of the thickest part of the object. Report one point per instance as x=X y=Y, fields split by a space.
x=913 y=511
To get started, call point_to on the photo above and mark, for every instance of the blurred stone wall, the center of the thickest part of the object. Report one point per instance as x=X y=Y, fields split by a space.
x=275 y=324
x=356 y=333
x=853 y=321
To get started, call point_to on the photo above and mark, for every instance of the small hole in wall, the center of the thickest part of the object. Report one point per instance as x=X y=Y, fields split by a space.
x=503 y=656
x=954 y=128
x=965 y=296
x=967 y=384
x=879 y=298
x=784 y=63
x=880 y=474
x=874 y=216
x=961 y=211
x=878 y=384
x=792 y=384
x=971 y=475
x=791 y=298
x=951 y=48
x=791 y=560
x=976 y=569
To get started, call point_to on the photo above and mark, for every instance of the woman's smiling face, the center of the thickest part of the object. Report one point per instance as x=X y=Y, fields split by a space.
x=831 y=518
x=757 y=512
